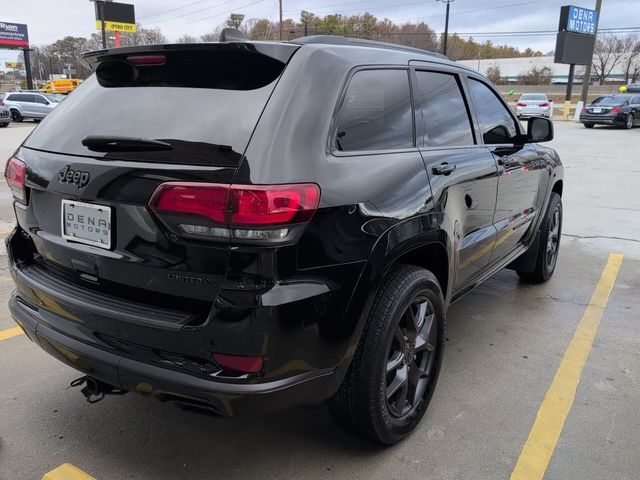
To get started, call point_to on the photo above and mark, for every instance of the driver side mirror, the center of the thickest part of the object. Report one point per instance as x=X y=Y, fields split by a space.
x=539 y=129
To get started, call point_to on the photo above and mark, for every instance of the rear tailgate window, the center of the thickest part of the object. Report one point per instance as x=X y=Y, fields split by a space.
x=204 y=102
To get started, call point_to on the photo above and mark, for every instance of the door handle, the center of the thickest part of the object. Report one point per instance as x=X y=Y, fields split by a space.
x=444 y=168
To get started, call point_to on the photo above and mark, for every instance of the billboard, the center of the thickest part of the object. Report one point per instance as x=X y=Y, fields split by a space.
x=118 y=17
x=578 y=20
x=576 y=35
x=13 y=35
x=16 y=65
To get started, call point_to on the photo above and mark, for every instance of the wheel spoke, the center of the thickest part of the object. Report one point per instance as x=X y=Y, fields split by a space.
x=395 y=361
x=422 y=342
x=399 y=381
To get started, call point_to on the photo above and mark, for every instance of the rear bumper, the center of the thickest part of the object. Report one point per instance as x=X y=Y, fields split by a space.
x=603 y=119
x=296 y=327
x=542 y=112
x=225 y=399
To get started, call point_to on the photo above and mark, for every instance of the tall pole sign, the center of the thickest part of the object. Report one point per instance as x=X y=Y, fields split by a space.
x=16 y=35
x=575 y=42
x=114 y=17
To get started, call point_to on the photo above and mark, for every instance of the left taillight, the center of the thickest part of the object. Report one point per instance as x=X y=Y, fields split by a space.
x=244 y=212
x=14 y=173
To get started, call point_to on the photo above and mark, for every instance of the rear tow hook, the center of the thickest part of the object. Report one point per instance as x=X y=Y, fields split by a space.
x=95 y=389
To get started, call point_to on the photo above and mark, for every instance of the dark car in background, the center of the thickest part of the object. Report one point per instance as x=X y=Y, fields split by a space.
x=247 y=226
x=622 y=110
x=5 y=116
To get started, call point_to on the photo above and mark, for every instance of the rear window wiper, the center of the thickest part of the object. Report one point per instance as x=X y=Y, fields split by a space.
x=107 y=143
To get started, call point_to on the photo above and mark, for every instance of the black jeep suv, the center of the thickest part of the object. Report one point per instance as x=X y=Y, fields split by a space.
x=245 y=226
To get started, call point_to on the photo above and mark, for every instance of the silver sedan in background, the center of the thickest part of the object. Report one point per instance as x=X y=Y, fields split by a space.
x=533 y=105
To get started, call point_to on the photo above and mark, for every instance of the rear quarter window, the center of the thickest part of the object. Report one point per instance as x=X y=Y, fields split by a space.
x=376 y=112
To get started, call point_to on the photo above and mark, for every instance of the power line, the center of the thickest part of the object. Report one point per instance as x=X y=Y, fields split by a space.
x=174 y=9
x=190 y=13
x=222 y=14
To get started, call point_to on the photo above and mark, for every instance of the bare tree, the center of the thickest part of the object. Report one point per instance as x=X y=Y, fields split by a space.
x=631 y=60
x=494 y=74
x=608 y=52
x=187 y=39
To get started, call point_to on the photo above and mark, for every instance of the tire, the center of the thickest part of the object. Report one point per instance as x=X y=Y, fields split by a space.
x=15 y=116
x=3 y=125
x=629 y=122
x=395 y=368
x=588 y=125
x=548 y=243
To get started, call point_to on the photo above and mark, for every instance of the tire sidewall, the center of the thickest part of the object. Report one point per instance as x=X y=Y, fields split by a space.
x=555 y=203
x=394 y=429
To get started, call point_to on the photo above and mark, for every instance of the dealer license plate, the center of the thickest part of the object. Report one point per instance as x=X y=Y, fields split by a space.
x=86 y=223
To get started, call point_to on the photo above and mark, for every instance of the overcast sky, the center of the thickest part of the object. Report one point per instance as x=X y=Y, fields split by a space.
x=50 y=20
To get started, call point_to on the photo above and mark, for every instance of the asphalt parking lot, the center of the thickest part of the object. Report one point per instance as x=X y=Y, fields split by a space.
x=512 y=355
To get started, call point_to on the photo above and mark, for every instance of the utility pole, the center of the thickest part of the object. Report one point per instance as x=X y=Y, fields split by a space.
x=280 y=3
x=446 y=26
x=305 y=17
x=586 y=79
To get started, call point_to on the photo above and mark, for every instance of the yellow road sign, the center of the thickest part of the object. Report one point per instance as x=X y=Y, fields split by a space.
x=117 y=26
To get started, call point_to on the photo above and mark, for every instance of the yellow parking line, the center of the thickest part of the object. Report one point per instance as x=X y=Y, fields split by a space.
x=67 y=471
x=10 y=333
x=537 y=451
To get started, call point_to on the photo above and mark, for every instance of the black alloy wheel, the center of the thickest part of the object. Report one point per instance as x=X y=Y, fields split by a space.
x=394 y=371
x=411 y=358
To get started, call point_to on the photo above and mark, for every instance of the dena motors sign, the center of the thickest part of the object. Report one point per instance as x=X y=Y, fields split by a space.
x=578 y=20
x=13 y=35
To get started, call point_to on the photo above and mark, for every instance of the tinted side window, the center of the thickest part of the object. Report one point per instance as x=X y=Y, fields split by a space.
x=376 y=112
x=16 y=97
x=496 y=123
x=444 y=113
x=40 y=99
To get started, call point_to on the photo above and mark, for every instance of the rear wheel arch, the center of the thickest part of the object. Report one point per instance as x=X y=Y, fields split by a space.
x=431 y=250
x=557 y=187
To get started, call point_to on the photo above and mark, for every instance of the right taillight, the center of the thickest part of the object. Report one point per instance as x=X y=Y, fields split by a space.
x=14 y=173
x=245 y=212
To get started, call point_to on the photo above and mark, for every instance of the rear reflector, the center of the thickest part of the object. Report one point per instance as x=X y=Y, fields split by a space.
x=237 y=205
x=15 y=174
x=238 y=364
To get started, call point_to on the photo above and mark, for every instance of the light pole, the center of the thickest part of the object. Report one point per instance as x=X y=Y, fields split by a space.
x=100 y=15
x=446 y=26
x=280 y=8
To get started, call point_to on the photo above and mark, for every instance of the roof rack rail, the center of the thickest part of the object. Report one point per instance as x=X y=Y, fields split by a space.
x=342 y=40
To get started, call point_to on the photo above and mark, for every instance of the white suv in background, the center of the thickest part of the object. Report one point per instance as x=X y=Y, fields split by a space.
x=34 y=105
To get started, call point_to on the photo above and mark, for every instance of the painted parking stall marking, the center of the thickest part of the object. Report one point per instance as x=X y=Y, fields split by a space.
x=67 y=471
x=10 y=333
x=552 y=414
